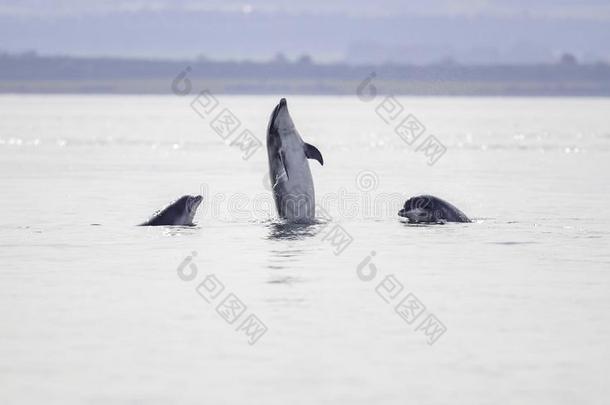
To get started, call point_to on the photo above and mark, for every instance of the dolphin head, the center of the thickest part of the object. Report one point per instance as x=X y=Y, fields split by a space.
x=179 y=212
x=193 y=202
x=419 y=209
x=430 y=209
x=190 y=204
x=280 y=123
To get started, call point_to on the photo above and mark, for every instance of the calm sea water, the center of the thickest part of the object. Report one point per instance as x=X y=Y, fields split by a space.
x=93 y=309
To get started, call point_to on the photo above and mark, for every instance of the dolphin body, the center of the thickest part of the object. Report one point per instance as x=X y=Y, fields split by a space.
x=430 y=209
x=289 y=172
x=180 y=212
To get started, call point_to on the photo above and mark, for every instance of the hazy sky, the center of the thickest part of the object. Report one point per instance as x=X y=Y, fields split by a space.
x=421 y=31
x=590 y=9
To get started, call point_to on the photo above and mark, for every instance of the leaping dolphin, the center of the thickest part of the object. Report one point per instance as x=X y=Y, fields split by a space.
x=289 y=172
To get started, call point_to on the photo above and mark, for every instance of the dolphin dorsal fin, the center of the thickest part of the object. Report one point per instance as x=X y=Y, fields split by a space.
x=313 y=153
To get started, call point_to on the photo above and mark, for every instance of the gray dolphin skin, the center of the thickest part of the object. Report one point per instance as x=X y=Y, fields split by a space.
x=180 y=212
x=430 y=209
x=289 y=172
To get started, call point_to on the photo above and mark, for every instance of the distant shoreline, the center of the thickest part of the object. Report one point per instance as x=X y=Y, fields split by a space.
x=306 y=87
x=27 y=74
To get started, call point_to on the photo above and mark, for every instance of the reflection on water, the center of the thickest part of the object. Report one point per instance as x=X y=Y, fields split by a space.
x=448 y=225
x=288 y=280
x=173 y=230
x=287 y=258
x=510 y=243
x=287 y=254
x=292 y=231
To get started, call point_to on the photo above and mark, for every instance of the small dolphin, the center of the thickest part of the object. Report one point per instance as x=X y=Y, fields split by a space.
x=289 y=172
x=430 y=209
x=180 y=212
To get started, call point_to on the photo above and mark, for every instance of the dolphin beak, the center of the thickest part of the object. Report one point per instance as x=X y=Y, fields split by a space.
x=277 y=110
x=415 y=215
x=411 y=215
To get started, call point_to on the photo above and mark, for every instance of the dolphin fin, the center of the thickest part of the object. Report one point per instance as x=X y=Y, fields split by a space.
x=313 y=153
x=283 y=164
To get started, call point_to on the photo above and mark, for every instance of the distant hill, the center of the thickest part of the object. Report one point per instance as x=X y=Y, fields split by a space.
x=31 y=73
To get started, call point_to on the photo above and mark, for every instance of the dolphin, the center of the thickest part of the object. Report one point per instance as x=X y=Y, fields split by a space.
x=430 y=209
x=180 y=212
x=289 y=172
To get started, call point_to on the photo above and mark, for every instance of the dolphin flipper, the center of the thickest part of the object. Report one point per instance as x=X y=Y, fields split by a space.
x=313 y=153
x=283 y=160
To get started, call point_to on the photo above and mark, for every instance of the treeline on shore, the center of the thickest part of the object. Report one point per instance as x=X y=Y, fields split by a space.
x=30 y=73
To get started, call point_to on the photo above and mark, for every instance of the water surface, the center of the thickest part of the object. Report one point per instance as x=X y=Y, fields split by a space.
x=93 y=310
